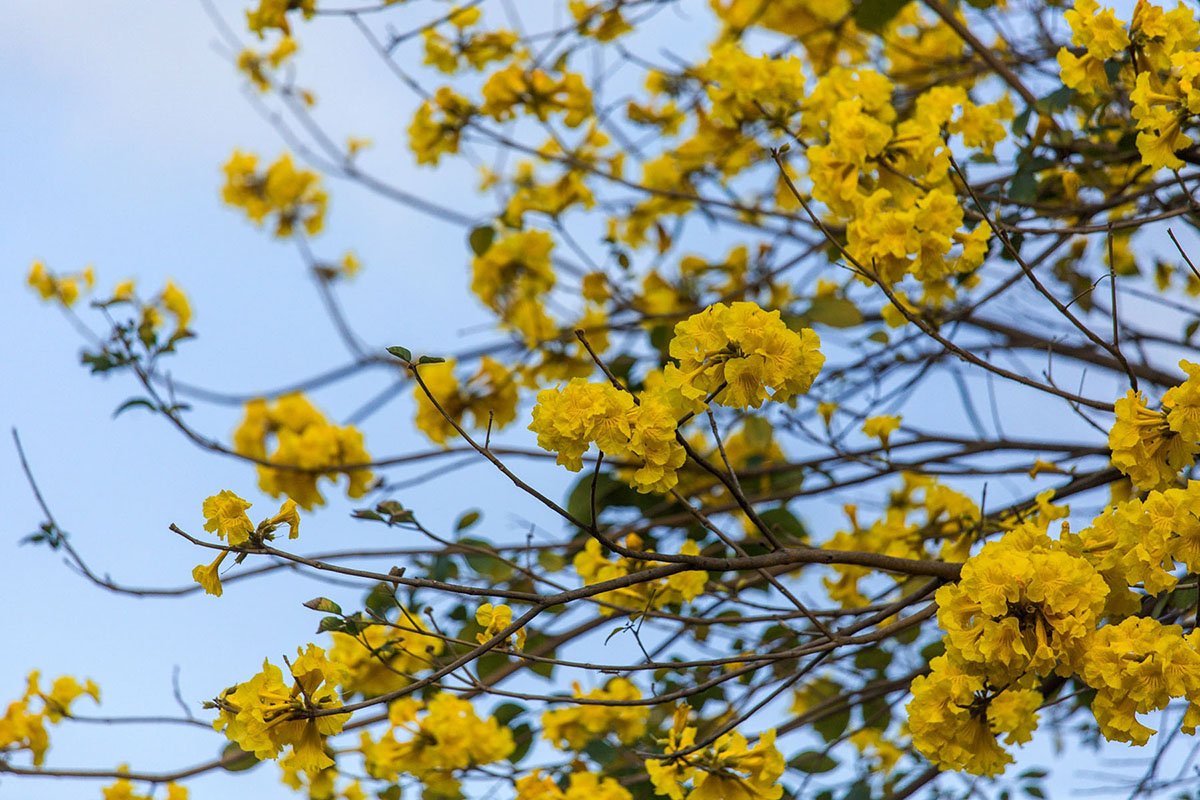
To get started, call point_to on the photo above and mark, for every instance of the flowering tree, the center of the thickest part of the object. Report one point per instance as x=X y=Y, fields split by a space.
x=781 y=291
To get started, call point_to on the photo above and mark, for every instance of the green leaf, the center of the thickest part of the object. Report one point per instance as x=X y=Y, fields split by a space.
x=833 y=726
x=813 y=762
x=490 y=566
x=507 y=712
x=523 y=739
x=1033 y=791
x=137 y=401
x=467 y=520
x=836 y=312
x=431 y=360
x=874 y=15
x=393 y=792
x=551 y=561
x=782 y=521
x=481 y=239
x=872 y=658
x=235 y=759
x=1059 y=99
x=331 y=624
x=324 y=604
x=601 y=751
x=402 y=353
x=932 y=650
x=366 y=513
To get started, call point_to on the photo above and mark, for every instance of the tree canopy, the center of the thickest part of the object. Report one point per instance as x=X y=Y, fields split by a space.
x=858 y=333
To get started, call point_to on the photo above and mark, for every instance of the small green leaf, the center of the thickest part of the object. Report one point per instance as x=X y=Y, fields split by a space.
x=235 y=759
x=872 y=658
x=331 y=624
x=782 y=521
x=833 y=726
x=507 y=712
x=467 y=520
x=137 y=401
x=323 y=604
x=813 y=762
x=523 y=739
x=836 y=312
x=393 y=792
x=874 y=15
x=481 y=239
x=402 y=353
x=431 y=360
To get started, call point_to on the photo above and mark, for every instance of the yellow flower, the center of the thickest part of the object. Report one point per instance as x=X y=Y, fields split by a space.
x=209 y=576
x=1144 y=446
x=493 y=620
x=225 y=515
x=881 y=427
x=450 y=737
x=291 y=196
x=176 y=303
x=304 y=438
x=748 y=352
x=574 y=727
x=382 y=656
x=956 y=719
x=263 y=715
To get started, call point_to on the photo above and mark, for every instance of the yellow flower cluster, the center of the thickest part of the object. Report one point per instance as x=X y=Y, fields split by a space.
x=897 y=226
x=23 y=727
x=946 y=516
x=489 y=397
x=493 y=620
x=955 y=718
x=539 y=93
x=448 y=738
x=1139 y=541
x=580 y=786
x=292 y=196
x=1027 y=606
x=512 y=277
x=743 y=356
x=256 y=66
x=1024 y=605
x=63 y=288
x=1162 y=76
x=600 y=22
x=743 y=87
x=568 y=420
x=476 y=48
x=727 y=769
x=594 y=567
x=381 y=657
x=122 y=789
x=577 y=726
x=305 y=439
x=1138 y=666
x=822 y=27
x=264 y=715
x=569 y=189
x=437 y=126
x=225 y=515
x=1152 y=447
x=272 y=14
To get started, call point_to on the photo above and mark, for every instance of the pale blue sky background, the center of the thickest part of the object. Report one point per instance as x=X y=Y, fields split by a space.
x=114 y=126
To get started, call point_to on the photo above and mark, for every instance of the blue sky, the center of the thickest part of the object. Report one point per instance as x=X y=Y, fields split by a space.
x=115 y=126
